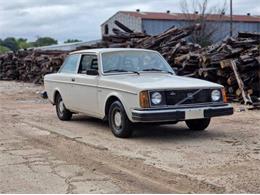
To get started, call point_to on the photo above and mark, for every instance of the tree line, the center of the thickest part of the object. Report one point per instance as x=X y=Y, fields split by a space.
x=14 y=44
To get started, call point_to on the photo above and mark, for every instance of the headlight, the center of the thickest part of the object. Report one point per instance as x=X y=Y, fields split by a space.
x=215 y=95
x=156 y=98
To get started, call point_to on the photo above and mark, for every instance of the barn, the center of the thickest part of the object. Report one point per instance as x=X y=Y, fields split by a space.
x=156 y=22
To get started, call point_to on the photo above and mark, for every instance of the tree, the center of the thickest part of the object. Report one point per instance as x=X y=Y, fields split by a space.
x=44 y=41
x=72 y=41
x=199 y=12
x=3 y=49
x=22 y=43
x=10 y=43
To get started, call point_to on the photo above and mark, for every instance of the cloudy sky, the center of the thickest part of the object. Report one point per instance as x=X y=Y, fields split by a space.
x=81 y=19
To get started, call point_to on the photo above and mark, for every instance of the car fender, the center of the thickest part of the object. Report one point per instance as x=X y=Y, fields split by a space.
x=121 y=98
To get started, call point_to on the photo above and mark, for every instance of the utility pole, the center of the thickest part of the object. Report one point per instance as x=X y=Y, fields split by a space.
x=231 y=18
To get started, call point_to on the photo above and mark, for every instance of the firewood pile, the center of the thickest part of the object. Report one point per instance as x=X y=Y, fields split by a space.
x=30 y=66
x=234 y=63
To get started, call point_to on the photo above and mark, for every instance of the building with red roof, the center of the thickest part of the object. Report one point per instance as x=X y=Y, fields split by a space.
x=156 y=22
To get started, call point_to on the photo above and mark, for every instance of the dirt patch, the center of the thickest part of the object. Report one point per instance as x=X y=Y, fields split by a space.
x=45 y=155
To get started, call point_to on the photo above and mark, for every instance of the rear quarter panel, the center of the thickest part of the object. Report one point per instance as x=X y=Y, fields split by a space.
x=58 y=82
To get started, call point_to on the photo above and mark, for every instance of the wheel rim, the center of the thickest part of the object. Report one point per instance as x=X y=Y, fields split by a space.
x=117 y=119
x=61 y=107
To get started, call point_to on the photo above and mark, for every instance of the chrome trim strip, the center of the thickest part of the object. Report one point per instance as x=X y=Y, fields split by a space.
x=174 y=110
x=89 y=85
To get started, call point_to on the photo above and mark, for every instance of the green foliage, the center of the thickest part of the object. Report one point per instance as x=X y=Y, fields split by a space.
x=72 y=41
x=3 y=49
x=10 y=43
x=44 y=41
x=22 y=43
x=13 y=44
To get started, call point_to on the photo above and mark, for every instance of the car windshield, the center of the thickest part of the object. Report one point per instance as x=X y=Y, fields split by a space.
x=134 y=61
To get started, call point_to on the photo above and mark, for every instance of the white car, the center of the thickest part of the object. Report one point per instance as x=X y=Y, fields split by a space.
x=127 y=86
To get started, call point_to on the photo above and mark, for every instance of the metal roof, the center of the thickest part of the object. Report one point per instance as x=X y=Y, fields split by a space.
x=67 y=46
x=182 y=16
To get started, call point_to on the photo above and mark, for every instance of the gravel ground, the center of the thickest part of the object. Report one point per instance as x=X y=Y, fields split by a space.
x=40 y=154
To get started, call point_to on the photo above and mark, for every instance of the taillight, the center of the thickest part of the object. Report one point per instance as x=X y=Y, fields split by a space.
x=144 y=99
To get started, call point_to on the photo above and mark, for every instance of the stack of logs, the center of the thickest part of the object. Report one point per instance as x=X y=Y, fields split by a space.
x=234 y=63
x=30 y=66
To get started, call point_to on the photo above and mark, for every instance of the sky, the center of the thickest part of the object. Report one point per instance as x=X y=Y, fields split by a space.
x=81 y=19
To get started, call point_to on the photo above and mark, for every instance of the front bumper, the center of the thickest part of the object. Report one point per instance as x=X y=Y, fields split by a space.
x=180 y=114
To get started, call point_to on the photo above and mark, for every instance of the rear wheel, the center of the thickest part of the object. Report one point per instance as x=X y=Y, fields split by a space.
x=118 y=120
x=198 y=124
x=62 y=112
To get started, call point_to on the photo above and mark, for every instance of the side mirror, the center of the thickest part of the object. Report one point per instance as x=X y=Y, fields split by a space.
x=92 y=72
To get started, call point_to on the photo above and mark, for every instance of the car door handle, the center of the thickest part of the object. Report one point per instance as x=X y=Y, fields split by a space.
x=72 y=79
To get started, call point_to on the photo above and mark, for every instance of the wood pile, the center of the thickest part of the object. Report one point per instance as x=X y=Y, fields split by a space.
x=30 y=66
x=234 y=63
x=170 y=43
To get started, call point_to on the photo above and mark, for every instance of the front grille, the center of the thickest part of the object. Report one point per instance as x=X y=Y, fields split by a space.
x=188 y=96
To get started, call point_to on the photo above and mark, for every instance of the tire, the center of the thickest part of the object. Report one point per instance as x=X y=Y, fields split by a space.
x=118 y=121
x=62 y=112
x=198 y=124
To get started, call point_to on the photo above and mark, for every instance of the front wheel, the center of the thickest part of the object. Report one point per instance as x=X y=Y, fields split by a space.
x=198 y=124
x=118 y=121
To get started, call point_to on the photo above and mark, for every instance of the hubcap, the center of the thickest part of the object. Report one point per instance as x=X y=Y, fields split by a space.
x=118 y=119
x=61 y=106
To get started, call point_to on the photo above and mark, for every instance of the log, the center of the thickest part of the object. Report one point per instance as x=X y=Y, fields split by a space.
x=246 y=98
x=123 y=27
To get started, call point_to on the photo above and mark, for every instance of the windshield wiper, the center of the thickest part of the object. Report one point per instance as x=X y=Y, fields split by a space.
x=158 y=70
x=121 y=70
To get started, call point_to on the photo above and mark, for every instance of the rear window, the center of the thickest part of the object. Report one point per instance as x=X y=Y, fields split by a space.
x=70 y=64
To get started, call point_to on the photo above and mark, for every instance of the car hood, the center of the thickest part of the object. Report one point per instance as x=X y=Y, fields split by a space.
x=146 y=81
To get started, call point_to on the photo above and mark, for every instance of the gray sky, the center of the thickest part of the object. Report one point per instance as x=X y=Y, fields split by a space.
x=81 y=19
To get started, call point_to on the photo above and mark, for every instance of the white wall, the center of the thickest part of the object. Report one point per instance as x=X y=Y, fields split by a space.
x=131 y=22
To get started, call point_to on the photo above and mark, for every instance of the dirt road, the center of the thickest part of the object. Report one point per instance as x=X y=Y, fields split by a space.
x=40 y=154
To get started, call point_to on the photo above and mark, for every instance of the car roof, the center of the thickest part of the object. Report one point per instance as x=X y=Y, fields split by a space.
x=105 y=50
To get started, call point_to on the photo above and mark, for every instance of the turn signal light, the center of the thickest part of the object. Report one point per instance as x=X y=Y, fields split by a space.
x=144 y=99
x=224 y=95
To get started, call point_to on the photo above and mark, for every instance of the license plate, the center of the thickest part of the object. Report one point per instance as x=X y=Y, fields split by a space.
x=194 y=114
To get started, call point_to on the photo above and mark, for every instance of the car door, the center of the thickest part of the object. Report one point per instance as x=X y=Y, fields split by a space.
x=66 y=78
x=85 y=85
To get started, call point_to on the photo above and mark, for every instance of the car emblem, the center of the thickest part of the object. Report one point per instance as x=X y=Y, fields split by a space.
x=190 y=95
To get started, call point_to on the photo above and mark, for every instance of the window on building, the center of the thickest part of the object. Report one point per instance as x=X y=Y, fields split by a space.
x=106 y=29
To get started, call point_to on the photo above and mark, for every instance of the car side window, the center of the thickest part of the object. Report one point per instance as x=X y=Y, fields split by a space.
x=88 y=62
x=70 y=64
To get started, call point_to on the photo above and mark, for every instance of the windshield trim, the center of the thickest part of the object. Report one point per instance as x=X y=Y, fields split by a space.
x=119 y=73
